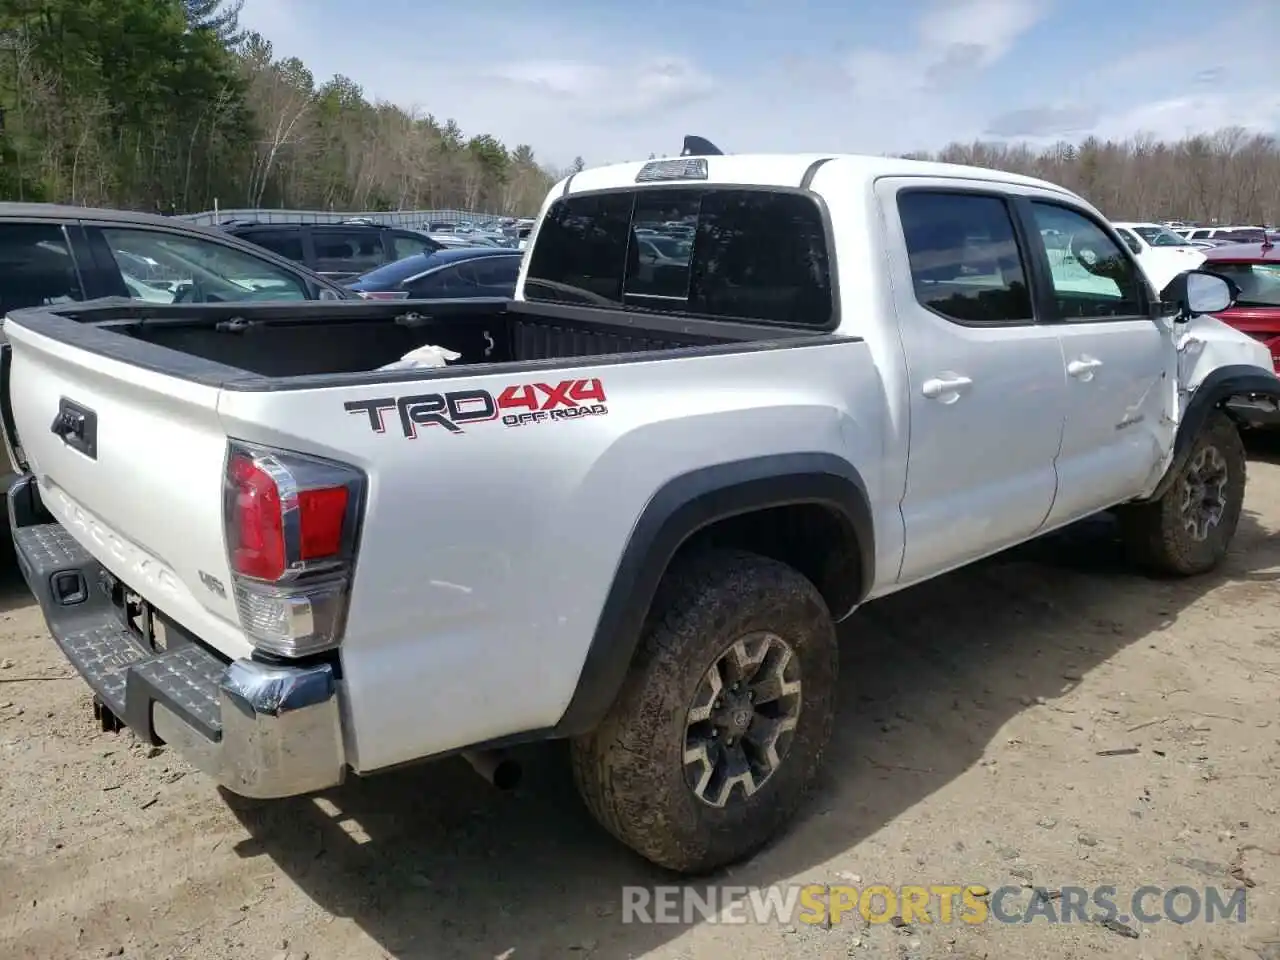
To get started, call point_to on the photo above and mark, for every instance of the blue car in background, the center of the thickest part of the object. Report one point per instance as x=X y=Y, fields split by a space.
x=454 y=273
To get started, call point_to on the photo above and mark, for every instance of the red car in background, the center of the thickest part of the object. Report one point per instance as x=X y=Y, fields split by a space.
x=1255 y=268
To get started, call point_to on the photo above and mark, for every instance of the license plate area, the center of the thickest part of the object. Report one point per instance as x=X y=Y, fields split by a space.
x=134 y=613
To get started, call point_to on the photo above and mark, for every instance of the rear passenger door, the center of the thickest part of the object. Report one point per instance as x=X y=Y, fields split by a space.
x=1119 y=360
x=988 y=391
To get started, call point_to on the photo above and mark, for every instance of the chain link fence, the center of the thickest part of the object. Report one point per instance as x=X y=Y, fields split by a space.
x=410 y=219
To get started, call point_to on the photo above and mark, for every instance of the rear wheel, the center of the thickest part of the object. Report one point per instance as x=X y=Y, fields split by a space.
x=720 y=726
x=1189 y=530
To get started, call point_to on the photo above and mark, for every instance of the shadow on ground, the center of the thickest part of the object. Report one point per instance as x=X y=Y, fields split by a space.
x=13 y=589
x=432 y=862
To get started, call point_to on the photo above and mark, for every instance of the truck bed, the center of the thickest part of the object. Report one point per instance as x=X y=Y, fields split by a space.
x=481 y=480
x=238 y=346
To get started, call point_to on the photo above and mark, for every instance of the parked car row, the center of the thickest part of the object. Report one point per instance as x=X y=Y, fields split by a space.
x=509 y=232
x=339 y=251
x=1228 y=234
x=51 y=255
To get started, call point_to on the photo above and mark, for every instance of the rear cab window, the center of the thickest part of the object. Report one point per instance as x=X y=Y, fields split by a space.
x=721 y=252
x=36 y=267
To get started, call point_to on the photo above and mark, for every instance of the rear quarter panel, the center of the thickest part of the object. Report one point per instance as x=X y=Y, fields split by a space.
x=486 y=556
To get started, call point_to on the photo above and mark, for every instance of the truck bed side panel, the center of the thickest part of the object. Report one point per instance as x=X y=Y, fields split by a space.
x=486 y=555
x=148 y=505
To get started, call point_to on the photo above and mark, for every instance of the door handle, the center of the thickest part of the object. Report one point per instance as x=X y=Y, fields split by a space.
x=945 y=386
x=1084 y=367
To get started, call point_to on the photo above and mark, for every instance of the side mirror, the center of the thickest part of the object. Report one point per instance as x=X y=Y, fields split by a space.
x=1194 y=292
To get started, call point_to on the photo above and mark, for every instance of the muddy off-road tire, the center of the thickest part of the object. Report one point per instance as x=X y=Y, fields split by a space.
x=1189 y=530
x=680 y=770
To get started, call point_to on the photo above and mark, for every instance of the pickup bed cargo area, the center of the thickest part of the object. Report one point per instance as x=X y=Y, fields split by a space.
x=310 y=339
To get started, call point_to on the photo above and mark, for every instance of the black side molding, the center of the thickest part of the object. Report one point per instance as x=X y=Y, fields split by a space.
x=1220 y=386
x=685 y=505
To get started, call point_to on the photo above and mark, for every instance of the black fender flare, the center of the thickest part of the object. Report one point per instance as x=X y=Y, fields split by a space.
x=678 y=510
x=1219 y=386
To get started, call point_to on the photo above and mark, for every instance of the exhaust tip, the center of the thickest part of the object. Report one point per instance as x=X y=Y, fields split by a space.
x=499 y=768
x=507 y=775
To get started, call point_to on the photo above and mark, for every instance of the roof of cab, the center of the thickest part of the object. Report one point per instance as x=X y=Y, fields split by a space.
x=789 y=169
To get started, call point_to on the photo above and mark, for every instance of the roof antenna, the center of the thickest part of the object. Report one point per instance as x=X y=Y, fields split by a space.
x=699 y=147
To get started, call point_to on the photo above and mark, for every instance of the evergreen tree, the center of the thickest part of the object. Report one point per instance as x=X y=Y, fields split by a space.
x=221 y=17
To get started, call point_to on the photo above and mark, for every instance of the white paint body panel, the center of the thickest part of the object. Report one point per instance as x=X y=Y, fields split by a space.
x=485 y=559
x=1160 y=264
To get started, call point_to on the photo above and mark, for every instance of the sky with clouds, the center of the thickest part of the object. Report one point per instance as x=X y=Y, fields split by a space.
x=612 y=81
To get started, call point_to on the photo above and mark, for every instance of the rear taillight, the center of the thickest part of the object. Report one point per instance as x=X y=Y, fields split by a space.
x=291 y=525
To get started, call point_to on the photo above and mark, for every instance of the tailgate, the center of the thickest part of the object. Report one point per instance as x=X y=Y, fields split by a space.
x=130 y=461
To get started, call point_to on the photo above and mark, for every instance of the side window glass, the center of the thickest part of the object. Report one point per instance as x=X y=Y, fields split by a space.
x=285 y=243
x=465 y=277
x=347 y=251
x=965 y=262
x=498 y=272
x=171 y=268
x=36 y=267
x=1092 y=277
x=406 y=245
x=428 y=287
x=445 y=282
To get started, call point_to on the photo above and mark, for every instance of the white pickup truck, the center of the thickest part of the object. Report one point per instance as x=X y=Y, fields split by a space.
x=633 y=510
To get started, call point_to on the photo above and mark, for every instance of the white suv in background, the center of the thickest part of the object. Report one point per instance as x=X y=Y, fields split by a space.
x=1161 y=253
x=1237 y=234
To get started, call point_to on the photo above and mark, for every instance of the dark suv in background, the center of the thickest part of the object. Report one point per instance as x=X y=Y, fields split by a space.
x=339 y=251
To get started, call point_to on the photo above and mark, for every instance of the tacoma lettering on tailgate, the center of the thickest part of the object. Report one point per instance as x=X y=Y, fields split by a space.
x=516 y=405
x=131 y=561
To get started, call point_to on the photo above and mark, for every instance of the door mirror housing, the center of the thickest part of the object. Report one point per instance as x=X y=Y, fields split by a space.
x=1195 y=292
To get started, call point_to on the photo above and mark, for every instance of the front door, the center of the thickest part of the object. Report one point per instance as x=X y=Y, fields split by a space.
x=1119 y=360
x=987 y=384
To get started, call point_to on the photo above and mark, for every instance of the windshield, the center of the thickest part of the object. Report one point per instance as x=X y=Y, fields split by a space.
x=1160 y=237
x=1259 y=282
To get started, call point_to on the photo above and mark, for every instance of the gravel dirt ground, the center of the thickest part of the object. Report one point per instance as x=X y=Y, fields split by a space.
x=977 y=715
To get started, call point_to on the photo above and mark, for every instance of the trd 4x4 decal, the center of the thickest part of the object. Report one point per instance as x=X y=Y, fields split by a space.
x=516 y=405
